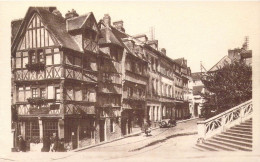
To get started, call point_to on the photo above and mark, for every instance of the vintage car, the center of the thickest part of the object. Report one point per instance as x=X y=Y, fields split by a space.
x=165 y=123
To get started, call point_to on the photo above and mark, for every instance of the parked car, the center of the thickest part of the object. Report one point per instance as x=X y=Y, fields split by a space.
x=165 y=123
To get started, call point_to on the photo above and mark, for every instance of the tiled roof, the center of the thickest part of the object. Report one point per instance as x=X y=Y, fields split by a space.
x=15 y=27
x=77 y=22
x=109 y=37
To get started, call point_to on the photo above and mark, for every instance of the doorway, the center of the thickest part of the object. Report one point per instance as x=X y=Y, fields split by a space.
x=102 y=130
x=196 y=109
x=123 y=127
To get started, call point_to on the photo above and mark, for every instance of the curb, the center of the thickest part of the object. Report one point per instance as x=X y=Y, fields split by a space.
x=126 y=136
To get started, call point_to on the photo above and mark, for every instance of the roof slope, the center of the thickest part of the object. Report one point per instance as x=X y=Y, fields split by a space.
x=55 y=24
x=220 y=63
x=15 y=27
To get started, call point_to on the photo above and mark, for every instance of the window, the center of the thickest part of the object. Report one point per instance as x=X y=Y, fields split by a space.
x=32 y=131
x=25 y=59
x=112 y=125
x=78 y=94
x=27 y=92
x=56 y=58
x=18 y=60
x=48 y=59
x=34 y=93
x=43 y=93
x=20 y=94
x=33 y=56
x=50 y=127
x=89 y=95
x=41 y=56
x=57 y=93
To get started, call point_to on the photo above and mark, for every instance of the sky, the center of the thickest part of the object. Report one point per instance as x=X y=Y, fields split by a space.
x=198 y=31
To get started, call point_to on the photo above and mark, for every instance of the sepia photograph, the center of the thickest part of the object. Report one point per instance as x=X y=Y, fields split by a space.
x=132 y=81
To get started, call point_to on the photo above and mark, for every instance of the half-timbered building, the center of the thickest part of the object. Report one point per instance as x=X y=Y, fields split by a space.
x=88 y=81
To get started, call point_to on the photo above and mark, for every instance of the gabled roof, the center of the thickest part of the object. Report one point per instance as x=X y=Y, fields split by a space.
x=109 y=37
x=79 y=22
x=55 y=24
x=220 y=63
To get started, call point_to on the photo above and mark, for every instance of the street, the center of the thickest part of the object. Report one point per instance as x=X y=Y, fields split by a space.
x=162 y=141
x=165 y=143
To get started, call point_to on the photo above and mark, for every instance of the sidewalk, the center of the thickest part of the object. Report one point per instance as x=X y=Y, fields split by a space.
x=127 y=136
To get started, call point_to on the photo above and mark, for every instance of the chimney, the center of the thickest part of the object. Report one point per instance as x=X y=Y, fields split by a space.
x=71 y=14
x=57 y=12
x=107 y=20
x=119 y=25
x=163 y=50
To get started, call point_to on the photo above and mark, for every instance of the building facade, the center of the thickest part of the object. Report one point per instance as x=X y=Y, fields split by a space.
x=90 y=81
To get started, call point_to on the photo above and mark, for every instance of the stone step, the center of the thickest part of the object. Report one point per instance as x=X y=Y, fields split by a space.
x=234 y=137
x=219 y=146
x=242 y=148
x=238 y=135
x=206 y=148
x=240 y=132
x=241 y=128
x=235 y=142
x=244 y=126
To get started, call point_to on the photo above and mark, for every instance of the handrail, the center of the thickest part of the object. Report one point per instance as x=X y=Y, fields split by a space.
x=224 y=120
x=225 y=112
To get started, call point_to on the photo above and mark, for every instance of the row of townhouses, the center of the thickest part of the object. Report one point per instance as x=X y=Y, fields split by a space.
x=90 y=81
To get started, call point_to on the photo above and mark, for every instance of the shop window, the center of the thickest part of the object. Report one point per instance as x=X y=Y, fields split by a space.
x=50 y=127
x=32 y=131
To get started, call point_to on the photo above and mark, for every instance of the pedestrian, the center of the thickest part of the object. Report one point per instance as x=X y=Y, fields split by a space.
x=147 y=128
x=46 y=144
x=55 y=143
x=21 y=144
x=61 y=146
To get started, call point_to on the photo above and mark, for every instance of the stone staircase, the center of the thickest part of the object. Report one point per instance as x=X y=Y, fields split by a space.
x=236 y=138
